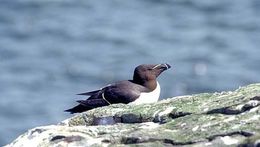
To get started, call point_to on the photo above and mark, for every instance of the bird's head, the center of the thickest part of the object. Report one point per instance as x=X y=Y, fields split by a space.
x=147 y=72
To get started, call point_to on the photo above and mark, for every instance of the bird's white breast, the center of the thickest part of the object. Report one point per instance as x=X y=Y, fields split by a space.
x=148 y=97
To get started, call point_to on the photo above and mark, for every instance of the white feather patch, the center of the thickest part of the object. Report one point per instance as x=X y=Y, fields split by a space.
x=148 y=97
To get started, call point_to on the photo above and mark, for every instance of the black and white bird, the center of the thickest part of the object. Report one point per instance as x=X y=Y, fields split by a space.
x=144 y=88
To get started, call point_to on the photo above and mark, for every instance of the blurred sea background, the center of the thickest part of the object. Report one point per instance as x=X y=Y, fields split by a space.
x=52 y=49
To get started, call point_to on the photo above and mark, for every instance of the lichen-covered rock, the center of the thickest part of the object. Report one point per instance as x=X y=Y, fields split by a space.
x=217 y=119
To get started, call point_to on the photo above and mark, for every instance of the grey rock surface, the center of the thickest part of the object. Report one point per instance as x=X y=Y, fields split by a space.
x=207 y=119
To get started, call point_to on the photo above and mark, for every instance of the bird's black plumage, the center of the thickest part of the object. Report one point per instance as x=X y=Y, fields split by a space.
x=144 y=80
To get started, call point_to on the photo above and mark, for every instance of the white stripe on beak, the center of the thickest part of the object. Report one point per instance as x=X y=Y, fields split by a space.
x=157 y=66
x=166 y=66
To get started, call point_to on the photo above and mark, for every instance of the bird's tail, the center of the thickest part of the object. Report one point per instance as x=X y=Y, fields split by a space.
x=88 y=104
x=89 y=93
x=78 y=109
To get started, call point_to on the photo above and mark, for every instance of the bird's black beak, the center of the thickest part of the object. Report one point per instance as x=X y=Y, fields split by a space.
x=159 y=68
x=166 y=66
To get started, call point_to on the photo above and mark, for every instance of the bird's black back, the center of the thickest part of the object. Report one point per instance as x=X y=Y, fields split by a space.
x=119 y=92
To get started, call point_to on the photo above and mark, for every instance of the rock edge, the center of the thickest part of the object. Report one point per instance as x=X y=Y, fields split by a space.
x=207 y=119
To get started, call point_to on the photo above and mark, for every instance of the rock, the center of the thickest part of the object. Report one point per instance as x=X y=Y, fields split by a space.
x=207 y=119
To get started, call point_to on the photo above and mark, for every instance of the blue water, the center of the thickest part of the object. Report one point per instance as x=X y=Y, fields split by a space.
x=53 y=49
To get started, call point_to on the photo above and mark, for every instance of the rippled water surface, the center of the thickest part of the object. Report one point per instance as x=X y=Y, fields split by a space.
x=53 y=49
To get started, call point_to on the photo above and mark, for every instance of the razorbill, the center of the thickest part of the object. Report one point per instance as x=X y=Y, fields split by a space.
x=144 y=88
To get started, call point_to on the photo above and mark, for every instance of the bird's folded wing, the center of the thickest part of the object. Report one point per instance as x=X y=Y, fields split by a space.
x=90 y=92
x=93 y=102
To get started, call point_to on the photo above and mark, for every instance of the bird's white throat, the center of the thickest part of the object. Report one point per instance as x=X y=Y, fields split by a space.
x=148 y=97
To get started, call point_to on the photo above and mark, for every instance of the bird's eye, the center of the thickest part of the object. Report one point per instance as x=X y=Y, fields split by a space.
x=150 y=69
